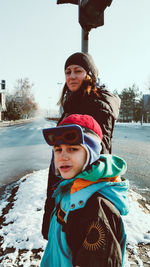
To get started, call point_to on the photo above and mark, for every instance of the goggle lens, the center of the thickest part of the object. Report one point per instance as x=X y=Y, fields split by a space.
x=66 y=134
x=69 y=137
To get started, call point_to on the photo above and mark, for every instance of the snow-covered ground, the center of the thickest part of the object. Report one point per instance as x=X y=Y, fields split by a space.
x=133 y=124
x=22 y=243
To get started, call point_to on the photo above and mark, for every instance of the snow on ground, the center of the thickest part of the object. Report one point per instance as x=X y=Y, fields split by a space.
x=22 y=243
x=132 y=124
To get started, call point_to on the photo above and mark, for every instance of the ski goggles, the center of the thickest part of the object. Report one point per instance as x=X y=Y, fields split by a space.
x=66 y=134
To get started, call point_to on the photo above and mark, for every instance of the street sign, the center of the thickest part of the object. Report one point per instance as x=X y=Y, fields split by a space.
x=146 y=103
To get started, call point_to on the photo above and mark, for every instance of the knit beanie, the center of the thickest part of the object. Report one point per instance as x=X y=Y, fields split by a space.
x=89 y=135
x=85 y=121
x=84 y=60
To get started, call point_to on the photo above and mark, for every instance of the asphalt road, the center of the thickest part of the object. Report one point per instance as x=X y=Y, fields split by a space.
x=23 y=150
x=132 y=142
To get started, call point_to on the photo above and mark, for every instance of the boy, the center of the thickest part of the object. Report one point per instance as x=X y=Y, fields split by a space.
x=86 y=228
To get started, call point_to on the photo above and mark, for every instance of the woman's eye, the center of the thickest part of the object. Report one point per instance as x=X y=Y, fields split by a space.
x=78 y=71
x=67 y=72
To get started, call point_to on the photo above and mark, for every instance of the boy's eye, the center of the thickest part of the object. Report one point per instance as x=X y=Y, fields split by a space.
x=57 y=149
x=73 y=149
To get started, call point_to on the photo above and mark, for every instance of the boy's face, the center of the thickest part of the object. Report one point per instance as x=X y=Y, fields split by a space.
x=69 y=159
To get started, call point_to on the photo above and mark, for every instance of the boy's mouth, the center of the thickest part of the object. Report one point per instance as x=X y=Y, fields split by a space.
x=65 y=168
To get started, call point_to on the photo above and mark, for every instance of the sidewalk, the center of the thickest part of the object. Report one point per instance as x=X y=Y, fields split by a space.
x=10 y=123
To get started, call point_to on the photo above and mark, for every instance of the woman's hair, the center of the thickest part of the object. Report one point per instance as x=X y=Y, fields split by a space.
x=88 y=86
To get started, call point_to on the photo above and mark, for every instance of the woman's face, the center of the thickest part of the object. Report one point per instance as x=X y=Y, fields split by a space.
x=74 y=77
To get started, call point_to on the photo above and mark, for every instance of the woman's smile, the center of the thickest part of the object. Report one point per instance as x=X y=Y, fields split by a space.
x=75 y=75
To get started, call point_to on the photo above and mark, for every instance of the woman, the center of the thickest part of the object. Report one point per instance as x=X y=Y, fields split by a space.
x=82 y=95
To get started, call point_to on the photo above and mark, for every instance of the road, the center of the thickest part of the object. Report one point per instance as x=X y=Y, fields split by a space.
x=23 y=150
x=132 y=142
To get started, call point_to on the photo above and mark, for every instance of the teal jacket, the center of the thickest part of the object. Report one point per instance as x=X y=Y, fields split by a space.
x=97 y=207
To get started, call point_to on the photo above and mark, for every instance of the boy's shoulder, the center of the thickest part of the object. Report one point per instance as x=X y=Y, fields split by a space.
x=96 y=206
x=107 y=166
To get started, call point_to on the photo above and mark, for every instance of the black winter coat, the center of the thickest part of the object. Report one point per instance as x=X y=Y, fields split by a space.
x=105 y=110
x=95 y=234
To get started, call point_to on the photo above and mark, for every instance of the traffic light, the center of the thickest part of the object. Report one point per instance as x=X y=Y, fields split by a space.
x=75 y=2
x=91 y=13
x=3 y=84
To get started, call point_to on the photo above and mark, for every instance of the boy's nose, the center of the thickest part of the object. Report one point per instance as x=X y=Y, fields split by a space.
x=65 y=155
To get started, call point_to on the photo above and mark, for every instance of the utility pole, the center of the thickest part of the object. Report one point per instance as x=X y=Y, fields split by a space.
x=84 y=41
x=2 y=99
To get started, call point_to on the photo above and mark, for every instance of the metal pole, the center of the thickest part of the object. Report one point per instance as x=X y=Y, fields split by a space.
x=142 y=119
x=142 y=111
x=85 y=43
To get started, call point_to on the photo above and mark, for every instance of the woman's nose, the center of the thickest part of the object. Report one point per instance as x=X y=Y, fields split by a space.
x=72 y=74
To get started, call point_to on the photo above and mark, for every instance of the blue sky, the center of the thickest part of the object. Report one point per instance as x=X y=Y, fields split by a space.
x=37 y=36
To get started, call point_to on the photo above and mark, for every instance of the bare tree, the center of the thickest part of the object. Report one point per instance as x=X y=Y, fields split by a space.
x=21 y=103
